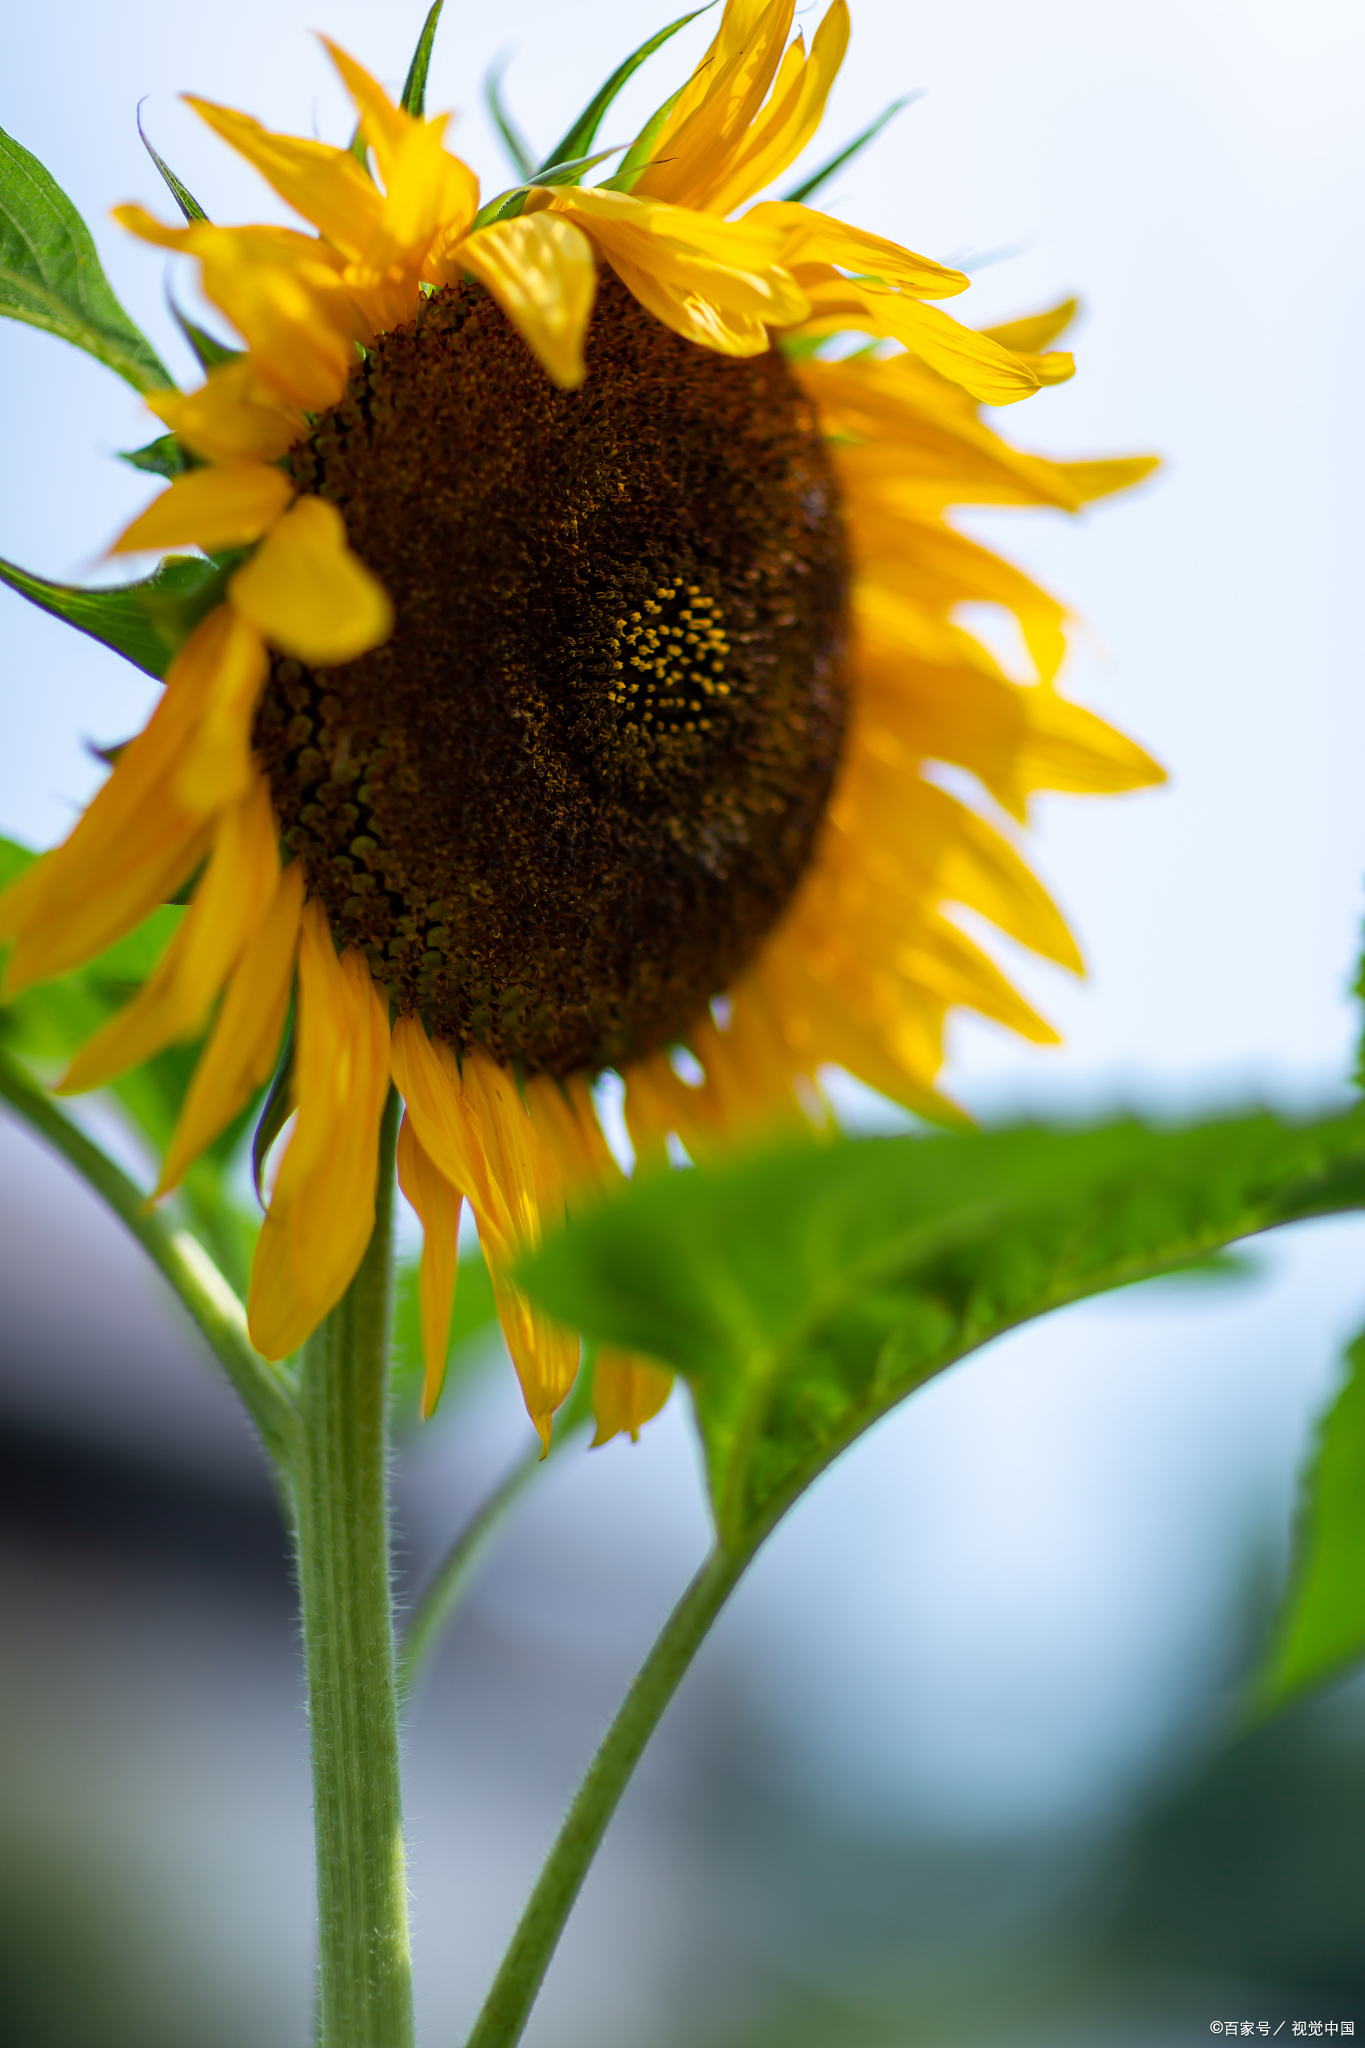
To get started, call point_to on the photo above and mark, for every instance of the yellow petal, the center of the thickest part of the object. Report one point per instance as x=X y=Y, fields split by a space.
x=146 y=828
x=308 y=593
x=789 y=120
x=385 y=124
x=716 y=282
x=215 y=765
x=438 y=1207
x=326 y=185
x=1031 y=335
x=990 y=373
x=211 y=508
x=231 y=418
x=943 y=568
x=472 y=1124
x=564 y=1114
x=321 y=1217
x=739 y=21
x=425 y=188
x=627 y=1392
x=245 y=1041
x=811 y=237
x=239 y=884
x=541 y=271
x=284 y=294
x=704 y=130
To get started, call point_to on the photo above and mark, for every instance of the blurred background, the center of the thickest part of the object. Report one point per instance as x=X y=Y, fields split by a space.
x=965 y=1762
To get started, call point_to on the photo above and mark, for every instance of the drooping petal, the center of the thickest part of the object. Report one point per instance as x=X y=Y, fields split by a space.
x=627 y=1392
x=438 y=1205
x=153 y=819
x=541 y=271
x=991 y=374
x=308 y=593
x=239 y=884
x=472 y=1124
x=812 y=237
x=321 y=1216
x=245 y=1041
x=225 y=507
x=564 y=1115
x=231 y=418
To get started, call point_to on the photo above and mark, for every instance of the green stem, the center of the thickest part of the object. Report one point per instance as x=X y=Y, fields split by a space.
x=341 y=1507
x=508 y=2006
x=180 y=1257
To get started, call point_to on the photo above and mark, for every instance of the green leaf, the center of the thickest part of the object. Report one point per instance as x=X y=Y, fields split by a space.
x=145 y=621
x=414 y=99
x=512 y=142
x=811 y=185
x=162 y=457
x=51 y=278
x=1321 y=1630
x=579 y=138
x=805 y=1294
x=181 y=194
x=640 y=155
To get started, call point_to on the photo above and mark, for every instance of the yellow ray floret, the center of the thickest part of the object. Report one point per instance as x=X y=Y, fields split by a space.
x=245 y=1041
x=473 y=1128
x=438 y=1204
x=239 y=886
x=321 y=1214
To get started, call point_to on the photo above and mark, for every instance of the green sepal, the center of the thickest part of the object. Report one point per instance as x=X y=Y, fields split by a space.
x=208 y=352
x=414 y=98
x=640 y=155
x=508 y=205
x=162 y=457
x=275 y=1113
x=512 y=142
x=175 y=602
x=145 y=622
x=1320 y=1633
x=50 y=276
x=811 y=185
x=583 y=133
x=181 y=194
x=805 y=1294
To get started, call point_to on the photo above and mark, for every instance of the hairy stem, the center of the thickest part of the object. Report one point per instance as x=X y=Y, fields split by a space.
x=181 y=1258
x=341 y=1510
x=508 y=2006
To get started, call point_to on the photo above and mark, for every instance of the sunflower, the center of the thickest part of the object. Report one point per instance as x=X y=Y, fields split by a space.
x=582 y=631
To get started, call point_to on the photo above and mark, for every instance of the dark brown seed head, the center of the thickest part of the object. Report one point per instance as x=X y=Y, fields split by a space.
x=564 y=804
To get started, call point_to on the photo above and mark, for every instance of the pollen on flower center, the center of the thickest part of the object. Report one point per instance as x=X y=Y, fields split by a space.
x=564 y=804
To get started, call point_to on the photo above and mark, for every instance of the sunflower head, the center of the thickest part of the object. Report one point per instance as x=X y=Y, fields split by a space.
x=579 y=634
